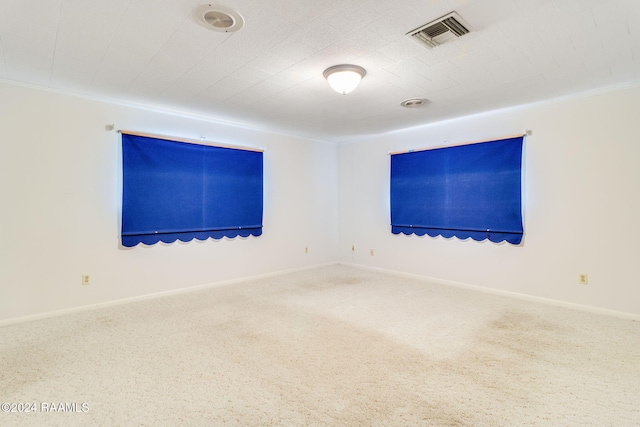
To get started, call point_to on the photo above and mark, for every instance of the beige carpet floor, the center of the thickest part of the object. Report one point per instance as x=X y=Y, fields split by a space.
x=334 y=346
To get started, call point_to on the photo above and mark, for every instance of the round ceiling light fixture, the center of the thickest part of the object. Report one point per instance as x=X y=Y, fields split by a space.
x=344 y=78
x=219 y=18
x=414 y=102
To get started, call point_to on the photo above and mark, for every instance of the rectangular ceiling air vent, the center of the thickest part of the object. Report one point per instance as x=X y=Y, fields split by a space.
x=435 y=33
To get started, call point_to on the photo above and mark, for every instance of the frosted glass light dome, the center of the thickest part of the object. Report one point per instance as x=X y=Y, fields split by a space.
x=344 y=78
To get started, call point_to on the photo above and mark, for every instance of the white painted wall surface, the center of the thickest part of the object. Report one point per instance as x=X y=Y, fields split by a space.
x=581 y=204
x=60 y=181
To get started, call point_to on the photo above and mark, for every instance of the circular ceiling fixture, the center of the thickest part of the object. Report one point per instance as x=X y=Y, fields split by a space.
x=414 y=102
x=219 y=18
x=344 y=78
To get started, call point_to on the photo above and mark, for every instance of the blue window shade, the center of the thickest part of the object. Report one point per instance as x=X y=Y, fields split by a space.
x=465 y=191
x=180 y=191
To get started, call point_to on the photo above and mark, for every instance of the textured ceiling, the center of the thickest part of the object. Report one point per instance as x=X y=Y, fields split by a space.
x=269 y=74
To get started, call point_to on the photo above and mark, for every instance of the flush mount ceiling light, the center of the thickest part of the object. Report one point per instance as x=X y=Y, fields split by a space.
x=219 y=18
x=344 y=78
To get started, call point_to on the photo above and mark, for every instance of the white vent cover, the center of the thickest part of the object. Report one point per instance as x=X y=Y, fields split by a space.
x=218 y=18
x=435 y=33
x=414 y=102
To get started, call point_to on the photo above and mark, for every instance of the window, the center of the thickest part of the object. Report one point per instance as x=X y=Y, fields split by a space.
x=182 y=191
x=464 y=191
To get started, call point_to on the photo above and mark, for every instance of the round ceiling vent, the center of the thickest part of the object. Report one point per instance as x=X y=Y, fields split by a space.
x=414 y=102
x=219 y=18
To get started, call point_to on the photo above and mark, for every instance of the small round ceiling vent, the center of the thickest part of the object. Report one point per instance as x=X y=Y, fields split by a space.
x=414 y=102
x=219 y=18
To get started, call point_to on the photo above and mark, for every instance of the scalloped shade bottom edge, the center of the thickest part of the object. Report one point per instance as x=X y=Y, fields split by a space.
x=152 y=239
x=493 y=236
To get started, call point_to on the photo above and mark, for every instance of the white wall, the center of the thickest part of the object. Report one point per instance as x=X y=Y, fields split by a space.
x=581 y=204
x=60 y=181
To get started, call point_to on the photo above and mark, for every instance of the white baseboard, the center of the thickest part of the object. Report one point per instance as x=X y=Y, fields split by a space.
x=620 y=314
x=48 y=314
x=444 y=282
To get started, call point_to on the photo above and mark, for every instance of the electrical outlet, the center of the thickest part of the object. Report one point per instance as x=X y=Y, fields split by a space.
x=353 y=248
x=583 y=279
x=306 y=250
x=86 y=279
x=371 y=252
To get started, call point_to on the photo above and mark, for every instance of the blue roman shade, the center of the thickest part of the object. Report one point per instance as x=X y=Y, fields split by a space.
x=463 y=191
x=182 y=191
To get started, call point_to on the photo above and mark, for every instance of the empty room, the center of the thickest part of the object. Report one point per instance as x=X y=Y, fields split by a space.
x=320 y=213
